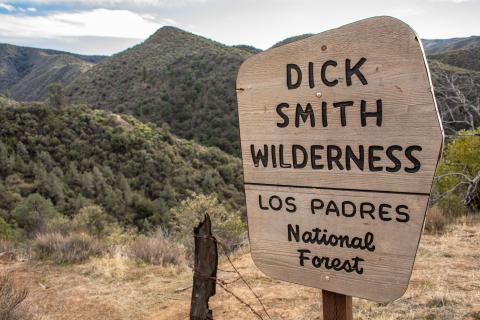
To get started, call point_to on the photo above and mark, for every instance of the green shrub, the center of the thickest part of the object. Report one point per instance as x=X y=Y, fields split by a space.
x=34 y=213
x=7 y=232
x=73 y=248
x=227 y=226
x=94 y=220
x=460 y=157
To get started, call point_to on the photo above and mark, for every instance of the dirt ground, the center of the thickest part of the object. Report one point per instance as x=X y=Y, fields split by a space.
x=445 y=285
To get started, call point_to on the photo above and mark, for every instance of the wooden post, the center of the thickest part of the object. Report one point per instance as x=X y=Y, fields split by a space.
x=205 y=270
x=336 y=306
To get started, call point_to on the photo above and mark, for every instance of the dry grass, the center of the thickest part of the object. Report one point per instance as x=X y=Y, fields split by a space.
x=158 y=249
x=435 y=221
x=12 y=300
x=72 y=248
x=445 y=285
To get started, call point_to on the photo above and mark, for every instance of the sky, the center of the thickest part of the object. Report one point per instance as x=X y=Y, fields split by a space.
x=109 y=26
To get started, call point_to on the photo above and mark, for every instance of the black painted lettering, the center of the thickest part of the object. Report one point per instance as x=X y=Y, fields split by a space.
x=397 y=163
x=295 y=156
x=282 y=156
x=367 y=208
x=416 y=164
x=349 y=71
x=364 y=114
x=260 y=203
x=290 y=84
x=304 y=115
x=302 y=256
x=324 y=73
x=384 y=214
x=295 y=233
x=275 y=203
x=332 y=208
x=282 y=115
x=315 y=157
x=350 y=155
x=343 y=115
x=259 y=156
x=372 y=158
x=311 y=81
x=402 y=216
x=316 y=204
x=334 y=154
x=290 y=205
x=348 y=212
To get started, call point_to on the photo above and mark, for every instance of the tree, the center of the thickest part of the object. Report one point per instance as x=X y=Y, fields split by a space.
x=93 y=219
x=458 y=173
x=227 y=225
x=56 y=95
x=34 y=213
x=458 y=98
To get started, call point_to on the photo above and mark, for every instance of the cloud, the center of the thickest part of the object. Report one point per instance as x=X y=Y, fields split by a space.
x=451 y=1
x=97 y=23
x=7 y=7
x=116 y=3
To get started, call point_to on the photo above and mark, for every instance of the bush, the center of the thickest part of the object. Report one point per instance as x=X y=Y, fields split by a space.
x=94 y=220
x=7 y=232
x=452 y=206
x=74 y=248
x=435 y=221
x=158 y=249
x=227 y=226
x=12 y=300
x=34 y=213
x=461 y=155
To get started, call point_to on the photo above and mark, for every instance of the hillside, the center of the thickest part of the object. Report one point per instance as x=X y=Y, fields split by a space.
x=468 y=59
x=436 y=46
x=75 y=156
x=174 y=77
x=25 y=72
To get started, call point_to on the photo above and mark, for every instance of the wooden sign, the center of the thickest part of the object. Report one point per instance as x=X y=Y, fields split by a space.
x=340 y=140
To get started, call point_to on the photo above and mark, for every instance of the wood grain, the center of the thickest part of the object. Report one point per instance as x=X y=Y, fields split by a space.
x=336 y=306
x=397 y=73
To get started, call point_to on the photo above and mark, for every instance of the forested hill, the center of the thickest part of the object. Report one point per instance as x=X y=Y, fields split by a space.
x=25 y=73
x=75 y=156
x=174 y=77
x=436 y=46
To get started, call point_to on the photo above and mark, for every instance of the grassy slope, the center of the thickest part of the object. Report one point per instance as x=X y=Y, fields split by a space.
x=445 y=284
x=174 y=77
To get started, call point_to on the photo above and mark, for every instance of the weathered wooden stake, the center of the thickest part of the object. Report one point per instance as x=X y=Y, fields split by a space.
x=336 y=306
x=205 y=270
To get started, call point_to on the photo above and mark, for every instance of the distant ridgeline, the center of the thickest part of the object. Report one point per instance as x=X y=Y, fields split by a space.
x=75 y=156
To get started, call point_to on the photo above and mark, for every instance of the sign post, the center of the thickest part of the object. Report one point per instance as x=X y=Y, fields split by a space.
x=340 y=140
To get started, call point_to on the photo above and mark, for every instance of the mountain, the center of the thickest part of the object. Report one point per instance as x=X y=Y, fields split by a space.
x=25 y=73
x=436 y=46
x=292 y=39
x=468 y=59
x=75 y=156
x=175 y=78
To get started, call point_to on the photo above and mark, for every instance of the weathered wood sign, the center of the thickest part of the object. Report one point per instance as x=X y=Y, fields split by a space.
x=340 y=140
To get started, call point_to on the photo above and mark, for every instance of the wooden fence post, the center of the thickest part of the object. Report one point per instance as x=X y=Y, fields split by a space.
x=205 y=270
x=336 y=306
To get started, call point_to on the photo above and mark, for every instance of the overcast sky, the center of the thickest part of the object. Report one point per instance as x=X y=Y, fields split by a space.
x=109 y=26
